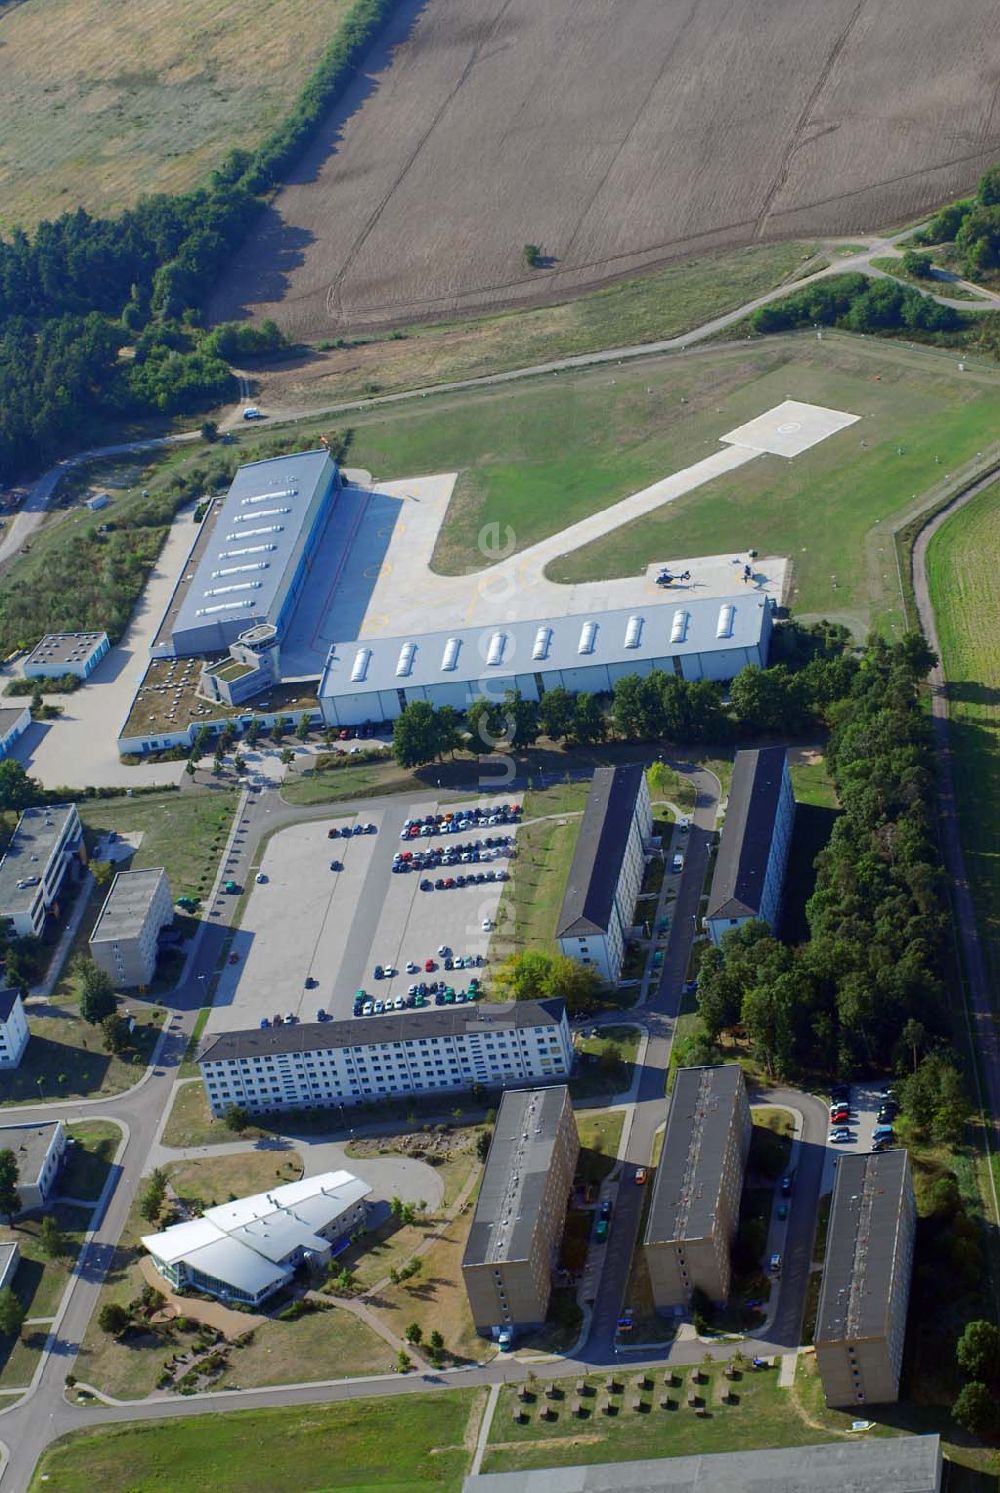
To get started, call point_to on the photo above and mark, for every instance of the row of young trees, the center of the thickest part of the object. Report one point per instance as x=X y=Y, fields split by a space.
x=79 y=289
x=786 y=697
x=877 y=917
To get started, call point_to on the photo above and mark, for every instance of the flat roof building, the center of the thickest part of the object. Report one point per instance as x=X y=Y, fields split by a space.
x=124 y=938
x=10 y=1256
x=518 y=1223
x=373 y=678
x=861 y=1317
x=60 y=653
x=13 y=1028
x=44 y=844
x=695 y=1205
x=606 y=874
x=749 y=875
x=14 y=721
x=896 y=1464
x=300 y=1064
x=38 y=1150
x=247 y=1249
x=257 y=552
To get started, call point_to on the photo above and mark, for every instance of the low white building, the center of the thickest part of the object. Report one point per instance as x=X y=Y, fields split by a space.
x=10 y=1256
x=300 y=1065
x=43 y=847
x=14 y=721
x=61 y=653
x=374 y=678
x=14 y=1032
x=38 y=1151
x=124 y=939
x=606 y=874
x=247 y=1249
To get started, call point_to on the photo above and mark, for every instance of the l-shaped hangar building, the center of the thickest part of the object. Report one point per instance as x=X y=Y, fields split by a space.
x=373 y=679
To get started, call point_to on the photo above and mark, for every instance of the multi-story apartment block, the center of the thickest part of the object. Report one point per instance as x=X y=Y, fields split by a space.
x=124 y=939
x=695 y=1204
x=46 y=842
x=521 y=1210
x=13 y=1028
x=749 y=875
x=861 y=1319
x=606 y=874
x=295 y=1066
x=38 y=1151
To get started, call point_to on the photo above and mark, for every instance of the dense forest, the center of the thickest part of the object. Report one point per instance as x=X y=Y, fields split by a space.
x=878 y=918
x=81 y=290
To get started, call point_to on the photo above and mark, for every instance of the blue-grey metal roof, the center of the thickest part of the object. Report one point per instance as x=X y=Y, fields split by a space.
x=597 y=860
x=239 y=574
x=628 y=635
x=745 y=849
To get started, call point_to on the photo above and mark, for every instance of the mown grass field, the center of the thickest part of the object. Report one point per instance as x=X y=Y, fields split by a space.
x=393 y=1445
x=183 y=832
x=539 y=455
x=104 y=100
x=963 y=565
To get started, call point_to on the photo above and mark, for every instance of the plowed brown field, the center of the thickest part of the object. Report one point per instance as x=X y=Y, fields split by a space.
x=617 y=134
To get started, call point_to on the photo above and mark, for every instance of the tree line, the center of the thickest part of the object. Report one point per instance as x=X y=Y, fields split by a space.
x=80 y=289
x=857 y=304
x=814 y=669
x=867 y=989
x=972 y=225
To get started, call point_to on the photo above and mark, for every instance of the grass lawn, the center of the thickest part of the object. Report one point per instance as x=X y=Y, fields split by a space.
x=183 y=832
x=596 y=1073
x=105 y=105
x=963 y=563
x=532 y=900
x=811 y=781
x=538 y=456
x=40 y=1282
x=393 y=1445
x=765 y=1415
x=86 y=1170
x=65 y=1058
x=365 y=781
x=330 y=1344
x=436 y=1297
x=191 y=1124
x=128 y=1369
x=600 y=1132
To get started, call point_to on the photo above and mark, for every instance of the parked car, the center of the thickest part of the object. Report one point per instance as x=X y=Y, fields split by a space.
x=601 y=1231
x=640 y=1176
x=774 y=1264
x=840 y=1136
x=233 y=888
x=606 y=1208
x=786 y=1186
x=260 y=878
x=677 y=864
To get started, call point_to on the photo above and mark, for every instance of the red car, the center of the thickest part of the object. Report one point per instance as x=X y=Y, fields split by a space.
x=429 y=965
x=839 y=1116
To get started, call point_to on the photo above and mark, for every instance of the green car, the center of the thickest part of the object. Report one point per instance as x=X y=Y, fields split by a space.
x=233 y=888
x=782 y=1210
x=601 y=1231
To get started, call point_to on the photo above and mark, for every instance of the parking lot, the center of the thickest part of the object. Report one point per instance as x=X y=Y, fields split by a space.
x=311 y=936
x=863 y=1104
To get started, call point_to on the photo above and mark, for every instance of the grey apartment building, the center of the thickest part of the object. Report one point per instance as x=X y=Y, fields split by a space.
x=749 y=877
x=695 y=1204
x=606 y=874
x=861 y=1319
x=519 y=1217
x=124 y=940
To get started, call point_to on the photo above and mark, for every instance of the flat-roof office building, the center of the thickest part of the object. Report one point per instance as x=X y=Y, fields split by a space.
x=606 y=875
x=861 y=1318
x=38 y=1150
x=256 y=555
x=46 y=842
x=695 y=1206
x=61 y=653
x=374 y=678
x=521 y=1210
x=749 y=875
x=13 y=1028
x=14 y=721
x=409 y=1052
x=124 y=940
